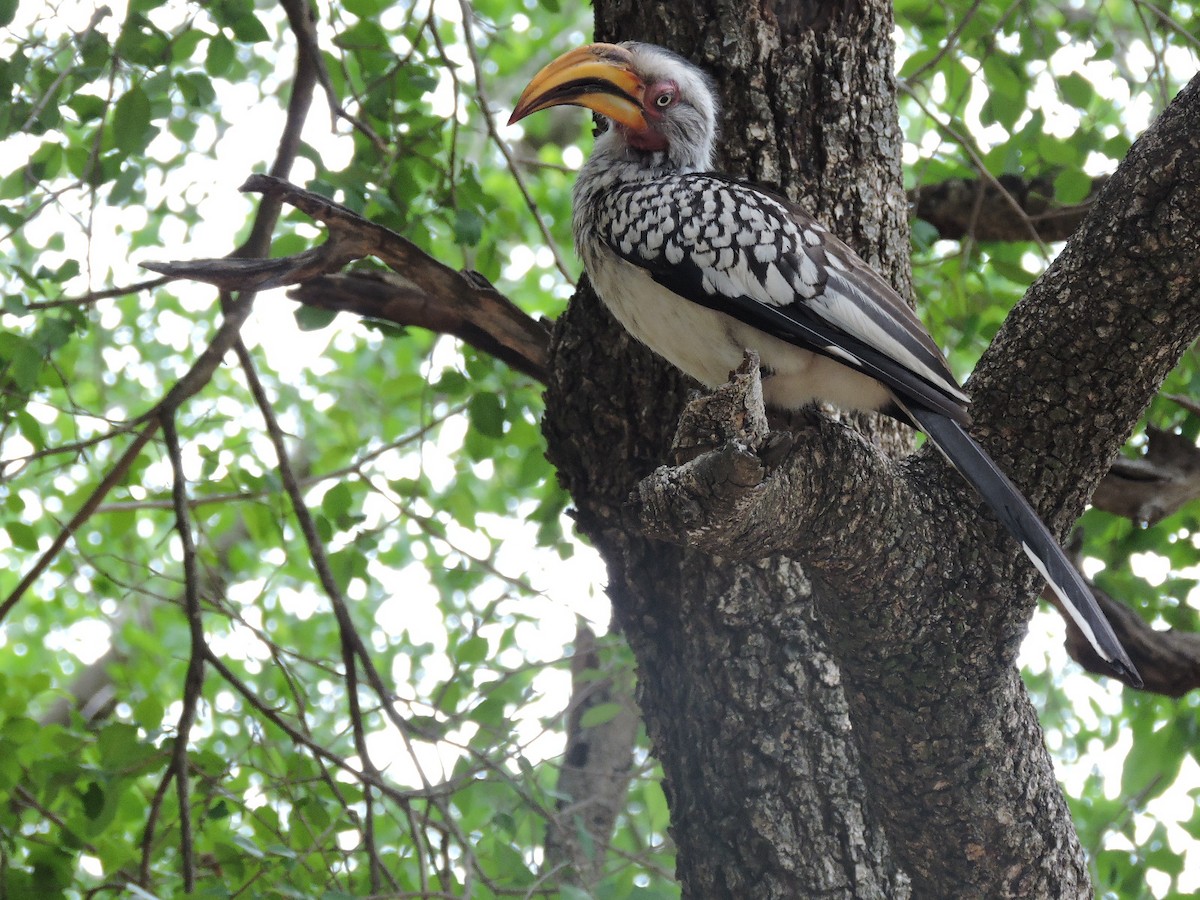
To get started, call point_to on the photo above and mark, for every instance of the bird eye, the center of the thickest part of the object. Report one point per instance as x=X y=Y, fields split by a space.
x=664 y=100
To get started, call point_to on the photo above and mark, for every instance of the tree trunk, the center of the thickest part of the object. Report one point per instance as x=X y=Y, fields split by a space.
x=837 y=733
x=761 y=773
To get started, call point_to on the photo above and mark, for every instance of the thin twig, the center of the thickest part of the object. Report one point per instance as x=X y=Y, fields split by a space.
x=355 y=467
x=360 y=745
x=300 y=738
x=97 y=17
x=114 y=477
x=147 y=842
x=199 y=375
x=486 y=108
x=981 y=167
x=1179 y=30
x=95 y=296
x=194 y=678
x=951 y=40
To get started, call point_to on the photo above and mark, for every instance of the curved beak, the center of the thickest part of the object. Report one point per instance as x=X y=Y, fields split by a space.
x=599 y=77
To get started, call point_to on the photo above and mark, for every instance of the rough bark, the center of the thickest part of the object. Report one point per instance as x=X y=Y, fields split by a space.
x=740 y=698
x=741 y=694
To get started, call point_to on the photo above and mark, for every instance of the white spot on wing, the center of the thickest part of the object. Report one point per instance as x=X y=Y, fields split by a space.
x=840 y=353
x=808 y=269
x=779 y=292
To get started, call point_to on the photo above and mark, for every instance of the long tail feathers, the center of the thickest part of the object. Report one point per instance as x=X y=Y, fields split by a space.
x=1015 y=513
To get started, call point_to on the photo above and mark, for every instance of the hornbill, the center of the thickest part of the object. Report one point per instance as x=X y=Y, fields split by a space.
x=700 y=267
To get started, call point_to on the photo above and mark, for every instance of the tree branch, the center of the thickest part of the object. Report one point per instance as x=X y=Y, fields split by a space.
x=96 y=296
x=475 y=312
x=758 y=493
x=1000 y=190
x=597 y=765
x=194 y=678
x=1009 y=209
x=1150 y=487
x=350 y=641
x=424 y=292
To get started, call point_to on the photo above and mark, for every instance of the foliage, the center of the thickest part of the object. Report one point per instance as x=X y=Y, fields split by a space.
x=418 y=459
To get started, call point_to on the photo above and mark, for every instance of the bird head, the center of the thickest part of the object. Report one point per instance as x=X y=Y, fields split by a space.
x=657 y=101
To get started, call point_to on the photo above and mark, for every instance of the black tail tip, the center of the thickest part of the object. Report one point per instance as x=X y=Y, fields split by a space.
x=1126 y=671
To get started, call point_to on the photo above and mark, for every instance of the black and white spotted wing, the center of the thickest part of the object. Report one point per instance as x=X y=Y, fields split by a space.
x=731 y=247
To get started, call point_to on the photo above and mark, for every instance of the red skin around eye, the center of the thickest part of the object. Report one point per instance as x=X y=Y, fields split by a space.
x=651 y=138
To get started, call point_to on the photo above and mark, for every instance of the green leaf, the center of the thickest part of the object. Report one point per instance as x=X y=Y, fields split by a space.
x=249 y=29
x=197 y=89
x=1117 y=146
x=8 y=10
x=149 y=713
x=93 y=800
x=23 y=536
x=919 y=60
x=220 y=56
x=131 y=121
x=473 y=650
x=1151 y=770
x=336 y=502
x=1003 y=78
x=31 y=430
x=248 y=846
x=1076 y=90
x=1057 y=151
x=121 y=750
x=185 y=45
x=289 y=245
x=363 y=35
x=11 y=770
x=20 y=360
x=1072 y=186
x=486 y=415
x=599 y=714
x=468 y=227
x=313 y=318
x=47 y=160
x=366 y=9
x=86 y=107
x=19 y=729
